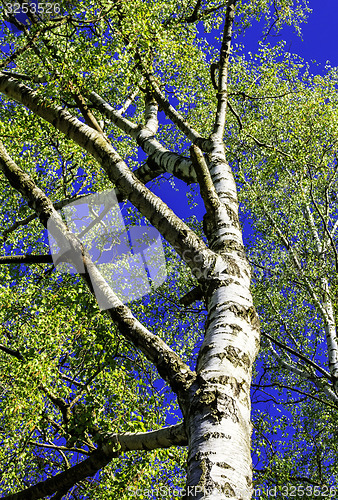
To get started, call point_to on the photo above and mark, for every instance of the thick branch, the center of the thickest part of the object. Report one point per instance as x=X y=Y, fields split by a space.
x=197 y=14
x=160 y=158
x=189 y=246
x=168 y=363
x=175 y=116
x=222 y=90
x=29 y=78
x=26 y=259
x=191 y=297
x=208 y=192
x=162 y=438
x=86 y=112
x=150 y=114
x=12 y=352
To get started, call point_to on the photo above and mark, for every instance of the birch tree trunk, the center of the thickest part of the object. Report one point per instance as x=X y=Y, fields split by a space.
x=219 y=429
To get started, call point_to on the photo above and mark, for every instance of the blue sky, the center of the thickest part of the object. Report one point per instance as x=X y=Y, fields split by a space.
x=320 y=40
x=320 y=35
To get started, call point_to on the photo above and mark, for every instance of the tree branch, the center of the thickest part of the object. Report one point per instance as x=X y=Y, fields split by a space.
x=325 y=227
x=169 y=364
x=175 y=116
x=193 y=295
x=222 y=87
x=294 y=389
x=22 y=50
x=130 y=99
x=236 y=115
x=269 y=146
x=323 y=386
x=29 y=78
x=26 y=259
x=115 y=444
x=57 y=205
x=150 y=113
x=12 y=352
x=197 y=15
x=159 y=156
x=190 y=247
x=299 y=355
x=208 y=192
x=86 y=112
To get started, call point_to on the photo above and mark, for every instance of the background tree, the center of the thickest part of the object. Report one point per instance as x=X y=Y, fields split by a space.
x=288 y=130
x=82 y=385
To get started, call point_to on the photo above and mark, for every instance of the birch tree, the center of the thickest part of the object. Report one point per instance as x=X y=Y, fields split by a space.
x=288 y=131
x=79 y=395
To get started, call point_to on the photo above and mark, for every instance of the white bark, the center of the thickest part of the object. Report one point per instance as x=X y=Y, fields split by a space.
x=189 y=246
x=161 y=438
x=165 y=160
x=168 y=363
x=216 y=402
x=327 y=305
x=219 y=416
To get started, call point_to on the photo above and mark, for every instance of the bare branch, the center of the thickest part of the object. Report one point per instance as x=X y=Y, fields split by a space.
x=298 y=355
x=299 y=391
x=269 y=146
x=236 y=115
x=320 y=384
